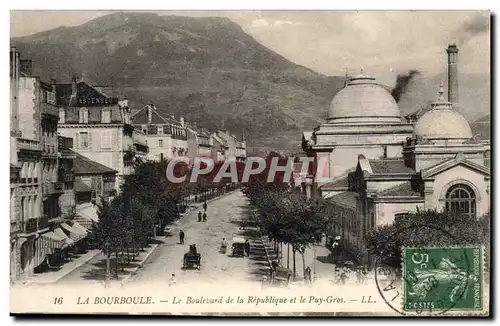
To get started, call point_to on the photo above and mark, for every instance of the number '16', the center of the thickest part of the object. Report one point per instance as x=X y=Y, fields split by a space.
x=58 y=300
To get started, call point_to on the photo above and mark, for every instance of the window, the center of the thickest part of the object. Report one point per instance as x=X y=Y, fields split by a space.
x=106 y=116
x=160 y=142
x=84 y=140
x=62 y=115
x=83 y=116
x=400 y=216
x=461 y=199
x=106 y=139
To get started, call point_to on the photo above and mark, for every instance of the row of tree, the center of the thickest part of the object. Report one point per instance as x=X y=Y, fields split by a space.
x=284 y=213
x=147 y=202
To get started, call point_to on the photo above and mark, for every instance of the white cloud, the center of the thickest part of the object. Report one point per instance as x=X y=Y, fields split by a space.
x=259 y=22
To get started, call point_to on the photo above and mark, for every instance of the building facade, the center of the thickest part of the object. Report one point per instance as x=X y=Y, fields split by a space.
x=379 y=168
x=199 y=143
x=100 y=126
x=165 y=136
x=26 y=166
x=234 y=148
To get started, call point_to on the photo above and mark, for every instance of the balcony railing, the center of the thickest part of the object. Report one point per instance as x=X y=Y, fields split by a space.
x=52 y=188
x=49 y=109
x=65 y=142
x=66 y=176
x=29 y=226
x=28 y=144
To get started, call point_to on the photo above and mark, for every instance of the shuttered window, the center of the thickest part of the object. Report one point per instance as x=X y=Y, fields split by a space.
x=106 y=139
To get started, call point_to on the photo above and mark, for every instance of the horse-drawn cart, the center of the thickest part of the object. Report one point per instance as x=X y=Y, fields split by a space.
x=191 y=261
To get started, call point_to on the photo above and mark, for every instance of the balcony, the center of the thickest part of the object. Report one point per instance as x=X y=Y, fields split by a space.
x=64 y=143
x=49 y=109
x=65 y=176
x=49 y=150
x=29 y=226
x=28 y=144
x=52 y=188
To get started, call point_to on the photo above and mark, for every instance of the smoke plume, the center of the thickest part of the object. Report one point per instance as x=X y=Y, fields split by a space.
x=402 y=82
x=478 y=24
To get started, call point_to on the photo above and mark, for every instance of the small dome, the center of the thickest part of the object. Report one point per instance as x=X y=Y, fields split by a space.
x=363 y=101
x=442 y=122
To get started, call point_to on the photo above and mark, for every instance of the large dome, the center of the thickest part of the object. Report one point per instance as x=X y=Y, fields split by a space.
x=442 y=122
x=363 y=101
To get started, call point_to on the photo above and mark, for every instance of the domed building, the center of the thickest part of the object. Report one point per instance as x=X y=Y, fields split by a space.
x=373 y=168
x=363 y=118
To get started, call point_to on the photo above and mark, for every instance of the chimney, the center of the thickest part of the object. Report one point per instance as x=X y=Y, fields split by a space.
x=150 y=112
x=14 y=87
x=243 y=138
x=452 y=51
x=53 y=83
x=182 y=122
x=26 y=67
x=74 y=89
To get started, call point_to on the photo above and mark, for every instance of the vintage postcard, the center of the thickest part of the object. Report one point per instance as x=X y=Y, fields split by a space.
x=240 y=163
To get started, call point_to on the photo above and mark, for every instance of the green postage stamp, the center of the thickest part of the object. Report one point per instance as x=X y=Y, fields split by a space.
x=443 y=279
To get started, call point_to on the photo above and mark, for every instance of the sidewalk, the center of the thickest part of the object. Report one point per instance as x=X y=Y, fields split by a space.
x=142 y=258
x=54 y=276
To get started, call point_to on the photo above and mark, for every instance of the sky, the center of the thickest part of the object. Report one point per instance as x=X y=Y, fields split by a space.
x=382 y=43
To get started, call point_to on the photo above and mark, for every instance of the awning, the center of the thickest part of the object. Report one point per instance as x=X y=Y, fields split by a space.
x=73 y=234
x=88 y=212
x=46 y=245
x=77 y=226
x=68 y=241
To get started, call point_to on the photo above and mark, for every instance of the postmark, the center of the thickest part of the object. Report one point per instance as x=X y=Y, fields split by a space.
x=459 y=276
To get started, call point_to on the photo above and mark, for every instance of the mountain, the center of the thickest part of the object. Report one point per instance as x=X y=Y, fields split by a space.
x=206 y=69
x=482 y=127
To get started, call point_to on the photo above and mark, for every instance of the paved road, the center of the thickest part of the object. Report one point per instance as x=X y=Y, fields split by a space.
x=224 y=220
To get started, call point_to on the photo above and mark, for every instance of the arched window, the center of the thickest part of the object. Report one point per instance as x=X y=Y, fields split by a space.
x=461 y=198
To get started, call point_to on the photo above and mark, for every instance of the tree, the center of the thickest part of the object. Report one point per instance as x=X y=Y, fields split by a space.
x=425 y=228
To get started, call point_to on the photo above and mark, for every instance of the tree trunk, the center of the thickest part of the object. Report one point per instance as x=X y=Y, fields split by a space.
x=303 y=263
x=288 y=256
x=294 y=266
x=116 y=264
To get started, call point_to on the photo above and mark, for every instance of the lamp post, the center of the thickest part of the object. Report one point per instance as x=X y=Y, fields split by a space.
x=108 y=263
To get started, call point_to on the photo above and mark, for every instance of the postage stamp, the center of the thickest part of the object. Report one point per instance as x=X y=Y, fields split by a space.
x=443 y=279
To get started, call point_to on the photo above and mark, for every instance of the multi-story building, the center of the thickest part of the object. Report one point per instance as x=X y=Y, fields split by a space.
x=99 y=124
x=199 y=143
x=66 y=175
x=94 y=183
x=234 y=148
x=220 y=147
x=165 y=136
x=26 y=194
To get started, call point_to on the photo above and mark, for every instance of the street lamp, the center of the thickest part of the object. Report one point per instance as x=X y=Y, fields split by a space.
x=108 y=263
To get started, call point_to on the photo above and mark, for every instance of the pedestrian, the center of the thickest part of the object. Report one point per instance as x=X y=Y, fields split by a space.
x=181 y=237
x=172 y=280
x=307 y=275
x=205 y=206
x=247 y=247
x=199 y=216
x=204 y=217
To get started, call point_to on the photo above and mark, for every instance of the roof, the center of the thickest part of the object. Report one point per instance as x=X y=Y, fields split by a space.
x=402 y=190
x=347 y=198
x=390 y=166
x=84 y=165
x=141 y=117
x=84 y=90
x=364 y=99
x=342 y=182
x=80 y=187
